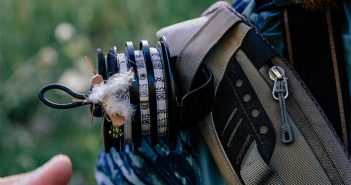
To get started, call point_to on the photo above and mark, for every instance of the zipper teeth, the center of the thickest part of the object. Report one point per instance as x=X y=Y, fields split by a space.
x=322 y=143
x=337 y=80
x=315 y=102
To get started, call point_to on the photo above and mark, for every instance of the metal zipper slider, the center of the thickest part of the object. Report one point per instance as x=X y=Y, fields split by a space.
x=280 y=92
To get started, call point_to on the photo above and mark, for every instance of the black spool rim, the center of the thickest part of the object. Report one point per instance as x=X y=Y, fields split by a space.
x=144 y=47
x=130 y=55
x=171 y=93
x=111 y=63
x=97 y=110
x=116 y=58
x=103 y=71
x=112 y=68
x=134 y=95
x=101 y=64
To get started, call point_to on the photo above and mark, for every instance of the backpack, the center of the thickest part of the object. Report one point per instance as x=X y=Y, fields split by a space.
x=259 y=121
x=265 y=127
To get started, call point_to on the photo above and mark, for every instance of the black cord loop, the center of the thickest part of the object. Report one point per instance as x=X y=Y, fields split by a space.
x=58 y=105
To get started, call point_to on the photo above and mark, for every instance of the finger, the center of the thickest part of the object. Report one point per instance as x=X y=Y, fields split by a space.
x=14 y=179
x=57 y=171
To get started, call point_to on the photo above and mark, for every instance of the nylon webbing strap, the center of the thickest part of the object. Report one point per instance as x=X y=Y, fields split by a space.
x=222 y=52
x=196 y=49
x=254 y=170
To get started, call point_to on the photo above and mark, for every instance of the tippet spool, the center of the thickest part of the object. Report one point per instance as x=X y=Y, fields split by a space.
x=149 y=94
x=152 y=93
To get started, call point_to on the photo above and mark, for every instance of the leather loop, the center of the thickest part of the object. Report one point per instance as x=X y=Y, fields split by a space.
x=197 y=104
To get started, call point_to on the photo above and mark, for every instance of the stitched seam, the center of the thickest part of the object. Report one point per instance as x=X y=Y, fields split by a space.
x=318 y=138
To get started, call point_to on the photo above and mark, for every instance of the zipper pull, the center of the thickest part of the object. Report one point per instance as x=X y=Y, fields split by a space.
x=280 y=92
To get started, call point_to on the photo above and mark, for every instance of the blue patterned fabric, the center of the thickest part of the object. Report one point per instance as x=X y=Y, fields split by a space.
x=159 y=164
x=148 y=165
x=266 y=17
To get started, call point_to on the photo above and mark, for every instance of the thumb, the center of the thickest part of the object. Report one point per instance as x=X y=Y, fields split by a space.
x=57 y=171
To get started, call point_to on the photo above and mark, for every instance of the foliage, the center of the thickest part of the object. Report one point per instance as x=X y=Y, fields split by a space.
x=45 y=41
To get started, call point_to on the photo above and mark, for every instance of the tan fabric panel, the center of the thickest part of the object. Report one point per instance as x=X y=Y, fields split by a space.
x=295 y=163
x=254 y=170
x=178 y=35
x=196 y=49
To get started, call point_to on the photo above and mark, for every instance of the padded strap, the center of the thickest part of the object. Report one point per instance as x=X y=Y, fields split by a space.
x=223 y=51
x=196 y=49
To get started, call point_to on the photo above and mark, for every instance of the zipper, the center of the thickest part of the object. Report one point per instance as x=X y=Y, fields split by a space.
x=280 y=92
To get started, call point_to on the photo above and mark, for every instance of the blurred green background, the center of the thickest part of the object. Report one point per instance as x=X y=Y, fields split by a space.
x=45 y=41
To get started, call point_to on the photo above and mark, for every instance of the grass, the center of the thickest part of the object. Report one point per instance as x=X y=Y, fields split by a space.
x=34 y=52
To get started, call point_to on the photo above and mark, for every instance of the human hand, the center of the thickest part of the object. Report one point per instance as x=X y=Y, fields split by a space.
x=57 y=171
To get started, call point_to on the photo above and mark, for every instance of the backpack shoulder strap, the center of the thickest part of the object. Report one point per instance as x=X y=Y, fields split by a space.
x=201 y=43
